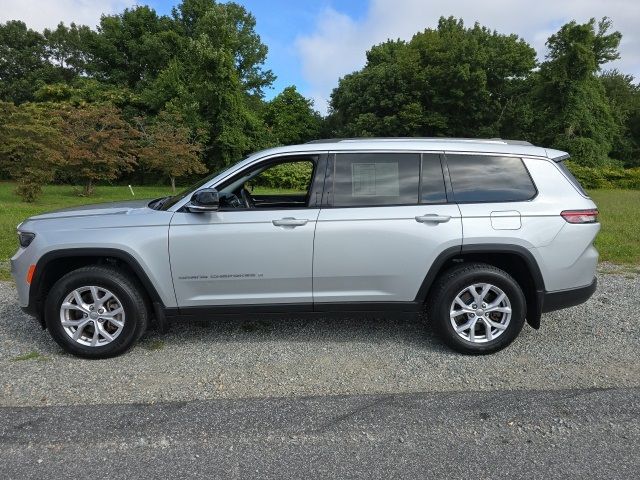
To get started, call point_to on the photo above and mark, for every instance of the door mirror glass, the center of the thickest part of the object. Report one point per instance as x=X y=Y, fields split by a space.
x=204 y=200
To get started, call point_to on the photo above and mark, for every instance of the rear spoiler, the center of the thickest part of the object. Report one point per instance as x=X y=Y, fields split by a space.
x=561 y=158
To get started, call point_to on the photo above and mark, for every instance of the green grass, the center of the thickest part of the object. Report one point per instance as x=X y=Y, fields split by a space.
x=619 y=239
x=618 y=242
x=29 y=356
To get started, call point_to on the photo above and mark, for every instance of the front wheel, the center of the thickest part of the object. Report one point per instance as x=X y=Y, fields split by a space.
x=477 y=308
x=96 y=312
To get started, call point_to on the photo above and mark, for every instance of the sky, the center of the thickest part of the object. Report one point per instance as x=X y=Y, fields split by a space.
x=314 y=43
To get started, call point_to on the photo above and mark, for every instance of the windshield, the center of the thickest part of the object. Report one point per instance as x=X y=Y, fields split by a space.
x=170 y=201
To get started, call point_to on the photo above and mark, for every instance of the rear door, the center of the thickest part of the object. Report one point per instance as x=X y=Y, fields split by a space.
x=384 y=220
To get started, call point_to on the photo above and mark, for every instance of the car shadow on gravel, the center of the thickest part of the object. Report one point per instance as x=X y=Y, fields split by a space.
x=372 y=328
x=410 y=330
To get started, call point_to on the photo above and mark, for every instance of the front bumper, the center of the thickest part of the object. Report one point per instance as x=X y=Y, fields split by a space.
x=20 y=263
x=552 y=301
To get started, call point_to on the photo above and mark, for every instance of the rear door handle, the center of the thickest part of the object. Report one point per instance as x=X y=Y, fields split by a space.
x=433 y=218
x=290 y=222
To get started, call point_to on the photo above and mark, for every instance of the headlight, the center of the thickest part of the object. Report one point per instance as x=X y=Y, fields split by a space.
x=25 y=238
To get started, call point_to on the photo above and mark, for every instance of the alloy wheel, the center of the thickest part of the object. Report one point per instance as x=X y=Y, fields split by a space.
x=92 y=316
x=480 y=313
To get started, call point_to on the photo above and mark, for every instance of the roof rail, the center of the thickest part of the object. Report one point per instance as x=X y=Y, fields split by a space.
x=431 y=139
x=327 y=140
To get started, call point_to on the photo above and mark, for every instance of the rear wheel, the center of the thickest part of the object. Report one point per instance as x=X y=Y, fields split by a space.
x=477 y=308
x=96 y=312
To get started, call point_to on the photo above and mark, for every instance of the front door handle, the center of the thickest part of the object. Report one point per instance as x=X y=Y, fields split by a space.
x=290 y=222
x=433 y=218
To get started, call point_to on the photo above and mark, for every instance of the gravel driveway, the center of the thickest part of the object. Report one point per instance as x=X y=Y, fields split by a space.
x=593 y=345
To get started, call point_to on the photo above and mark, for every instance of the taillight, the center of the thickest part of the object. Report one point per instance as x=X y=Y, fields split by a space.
x=580 y=216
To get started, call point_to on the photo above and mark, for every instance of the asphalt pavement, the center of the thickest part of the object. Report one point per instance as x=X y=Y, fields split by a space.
x=581 y=434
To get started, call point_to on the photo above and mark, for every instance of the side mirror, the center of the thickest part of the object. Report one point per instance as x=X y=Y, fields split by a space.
x=205 y=200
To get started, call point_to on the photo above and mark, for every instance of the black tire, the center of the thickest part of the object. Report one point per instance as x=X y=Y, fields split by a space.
x=452 y=282
x=126 y=289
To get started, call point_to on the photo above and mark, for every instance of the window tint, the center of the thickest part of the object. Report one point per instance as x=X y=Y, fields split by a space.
x=376 y=179
x=489 y=179
x=432 y=183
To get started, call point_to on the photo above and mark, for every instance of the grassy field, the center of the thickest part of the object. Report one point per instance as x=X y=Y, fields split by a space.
x=619 y=239
x=618 y=242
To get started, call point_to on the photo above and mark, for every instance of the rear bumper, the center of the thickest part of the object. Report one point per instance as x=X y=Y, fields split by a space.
x=567 y=298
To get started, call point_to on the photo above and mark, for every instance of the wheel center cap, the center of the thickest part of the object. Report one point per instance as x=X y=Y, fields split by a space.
x=479 y=312
x=93 y=315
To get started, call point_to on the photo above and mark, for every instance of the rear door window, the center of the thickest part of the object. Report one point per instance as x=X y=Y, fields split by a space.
x=370 y=179
x=483 y=178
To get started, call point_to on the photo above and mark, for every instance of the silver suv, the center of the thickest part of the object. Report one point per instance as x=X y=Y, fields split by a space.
x=482 y=234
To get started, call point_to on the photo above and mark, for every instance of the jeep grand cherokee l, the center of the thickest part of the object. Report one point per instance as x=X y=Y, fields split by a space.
x=482 y=234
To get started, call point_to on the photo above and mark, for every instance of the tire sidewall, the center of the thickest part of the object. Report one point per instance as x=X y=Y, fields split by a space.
x=119 y=287
x=465 y=279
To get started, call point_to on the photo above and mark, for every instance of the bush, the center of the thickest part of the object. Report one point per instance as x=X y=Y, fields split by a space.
x=606 y=177
x=591 y=153
x=28 y=190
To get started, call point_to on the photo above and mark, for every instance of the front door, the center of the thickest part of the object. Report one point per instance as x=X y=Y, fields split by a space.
x=258 y=248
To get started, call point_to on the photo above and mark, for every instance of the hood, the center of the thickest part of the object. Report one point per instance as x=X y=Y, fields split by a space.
x=111 y=208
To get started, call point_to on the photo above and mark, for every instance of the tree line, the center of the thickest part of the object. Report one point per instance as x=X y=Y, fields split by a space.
x=153 y=97
x=474 y=82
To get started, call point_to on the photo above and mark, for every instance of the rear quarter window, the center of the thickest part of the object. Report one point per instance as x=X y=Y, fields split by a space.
x=571 y=178
x=483 y=178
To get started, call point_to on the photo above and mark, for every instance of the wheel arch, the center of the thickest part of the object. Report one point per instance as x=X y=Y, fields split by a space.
x=55 y=264
x=514 y=259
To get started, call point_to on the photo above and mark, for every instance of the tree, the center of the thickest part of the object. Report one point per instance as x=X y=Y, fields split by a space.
x=101 y=143
x=573 y=111
x=66 y=49
x=232 y=26
x=169 y=147
x=624 y=98
x=30 y=146
x=216 y=79
x=23 y=62
x=131 y=48
x=448 y=81
x=291 y=119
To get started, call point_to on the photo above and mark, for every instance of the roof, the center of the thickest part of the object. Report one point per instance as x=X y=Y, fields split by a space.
x=425 y=139
x=490 y=145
